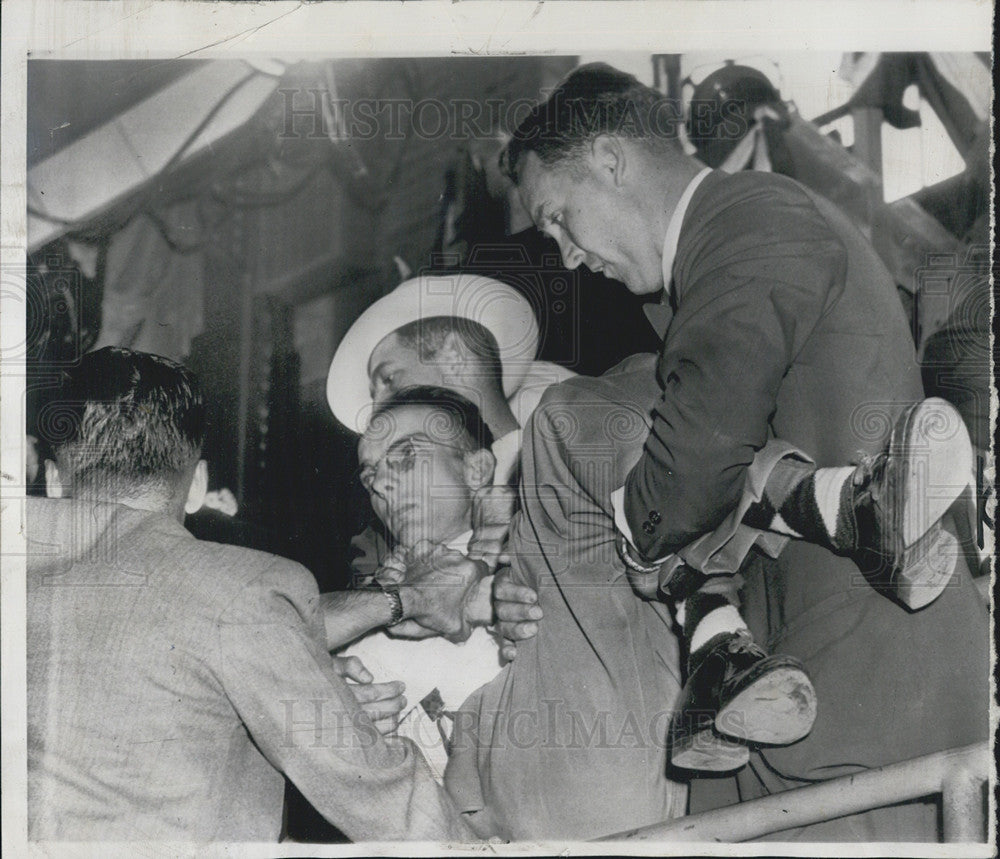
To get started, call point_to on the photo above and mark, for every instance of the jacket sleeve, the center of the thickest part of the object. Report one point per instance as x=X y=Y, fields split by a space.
x=307 y=723
x=757 y=278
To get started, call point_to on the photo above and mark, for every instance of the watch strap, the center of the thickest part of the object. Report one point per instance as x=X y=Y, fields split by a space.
x=395 y=602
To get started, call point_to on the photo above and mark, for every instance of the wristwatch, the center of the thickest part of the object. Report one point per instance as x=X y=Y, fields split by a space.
x=395 y=601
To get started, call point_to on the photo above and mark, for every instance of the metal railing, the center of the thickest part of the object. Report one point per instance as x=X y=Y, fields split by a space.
x=958 y=774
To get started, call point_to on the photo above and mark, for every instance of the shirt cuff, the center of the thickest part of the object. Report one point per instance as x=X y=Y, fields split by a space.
x=621 y=523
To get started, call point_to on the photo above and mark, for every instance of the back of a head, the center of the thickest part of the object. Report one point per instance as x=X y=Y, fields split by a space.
x=593 y=99
x=125 y=423
x=427 y=336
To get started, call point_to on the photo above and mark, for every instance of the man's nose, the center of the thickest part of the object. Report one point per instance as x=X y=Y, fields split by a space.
x=382 y=481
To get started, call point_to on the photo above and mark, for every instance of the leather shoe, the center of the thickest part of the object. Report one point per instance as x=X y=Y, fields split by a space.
x=902 y=540
x=736 y=692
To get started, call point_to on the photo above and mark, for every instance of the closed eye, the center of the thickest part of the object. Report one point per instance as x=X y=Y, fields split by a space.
x=553 y=221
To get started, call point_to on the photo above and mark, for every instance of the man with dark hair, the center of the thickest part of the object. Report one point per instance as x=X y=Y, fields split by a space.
x=172 y=682
x=136 y=424
x=779 y=321
x=593 y=100
x=435 y=504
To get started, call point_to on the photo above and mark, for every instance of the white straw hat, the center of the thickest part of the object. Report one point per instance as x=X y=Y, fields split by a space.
x=502 y=310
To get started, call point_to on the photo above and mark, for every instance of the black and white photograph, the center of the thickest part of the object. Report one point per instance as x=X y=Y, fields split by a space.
x=447 y=428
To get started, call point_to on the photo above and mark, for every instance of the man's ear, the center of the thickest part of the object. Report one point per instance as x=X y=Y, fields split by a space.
x=479 y=467
x=452 y=359
x=198 y=489
x=53 y=483
x=609 y=158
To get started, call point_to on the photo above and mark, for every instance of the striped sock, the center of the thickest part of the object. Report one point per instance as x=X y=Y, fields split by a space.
x=808 y=503
x=705 y=615
x=723 y=619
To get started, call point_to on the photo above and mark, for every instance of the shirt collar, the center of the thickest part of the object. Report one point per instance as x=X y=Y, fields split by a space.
x=674 y=227
x=461 y=542
x=507 y=452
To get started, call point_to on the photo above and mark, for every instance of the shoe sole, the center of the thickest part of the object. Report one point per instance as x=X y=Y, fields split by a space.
x=939 y=457
x=776 y=709
x=938 y=451
x=928 y=565
x=705 y=751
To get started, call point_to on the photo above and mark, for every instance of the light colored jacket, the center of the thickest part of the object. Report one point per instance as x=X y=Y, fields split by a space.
x=172 y=681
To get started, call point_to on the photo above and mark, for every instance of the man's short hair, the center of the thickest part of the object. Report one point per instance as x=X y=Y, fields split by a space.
x=427 y=336
x=593 y=99
x=125 y=421
x=472 y=431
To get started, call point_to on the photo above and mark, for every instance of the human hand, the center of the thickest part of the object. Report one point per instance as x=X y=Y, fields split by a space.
x=517 y=612
x=492 y=512
x=477 y=608
x=392 y=570
x=435 y=591
x=410 y=629
x=383 y=702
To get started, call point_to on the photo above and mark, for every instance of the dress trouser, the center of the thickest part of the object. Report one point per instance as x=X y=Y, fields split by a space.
x=569 y=741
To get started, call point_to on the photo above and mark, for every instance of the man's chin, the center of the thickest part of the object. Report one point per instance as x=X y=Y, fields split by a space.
x=643 y=288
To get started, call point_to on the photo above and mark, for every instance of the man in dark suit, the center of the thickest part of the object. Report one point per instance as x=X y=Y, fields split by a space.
x=778 y=320
x=173 y=682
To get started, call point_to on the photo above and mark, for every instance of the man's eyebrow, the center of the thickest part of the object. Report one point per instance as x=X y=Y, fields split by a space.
x=362 y=464
x=398 y=442
x=413 y=436
x=389 y=449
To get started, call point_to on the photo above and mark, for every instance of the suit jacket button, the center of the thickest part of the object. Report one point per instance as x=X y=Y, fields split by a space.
x=654 y=517
x=648 y=527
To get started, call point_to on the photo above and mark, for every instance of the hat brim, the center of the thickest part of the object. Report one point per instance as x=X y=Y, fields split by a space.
x=502 y=310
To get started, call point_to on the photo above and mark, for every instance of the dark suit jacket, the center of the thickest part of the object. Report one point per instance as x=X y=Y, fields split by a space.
x=172 y=681
x=788 y=324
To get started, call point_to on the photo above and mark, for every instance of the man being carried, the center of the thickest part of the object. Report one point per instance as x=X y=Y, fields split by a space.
x=424 y=456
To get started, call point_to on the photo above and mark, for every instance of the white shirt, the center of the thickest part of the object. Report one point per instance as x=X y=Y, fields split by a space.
x=507 y=453
x=426 y=664
x=669 y=254
x=674 y=227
